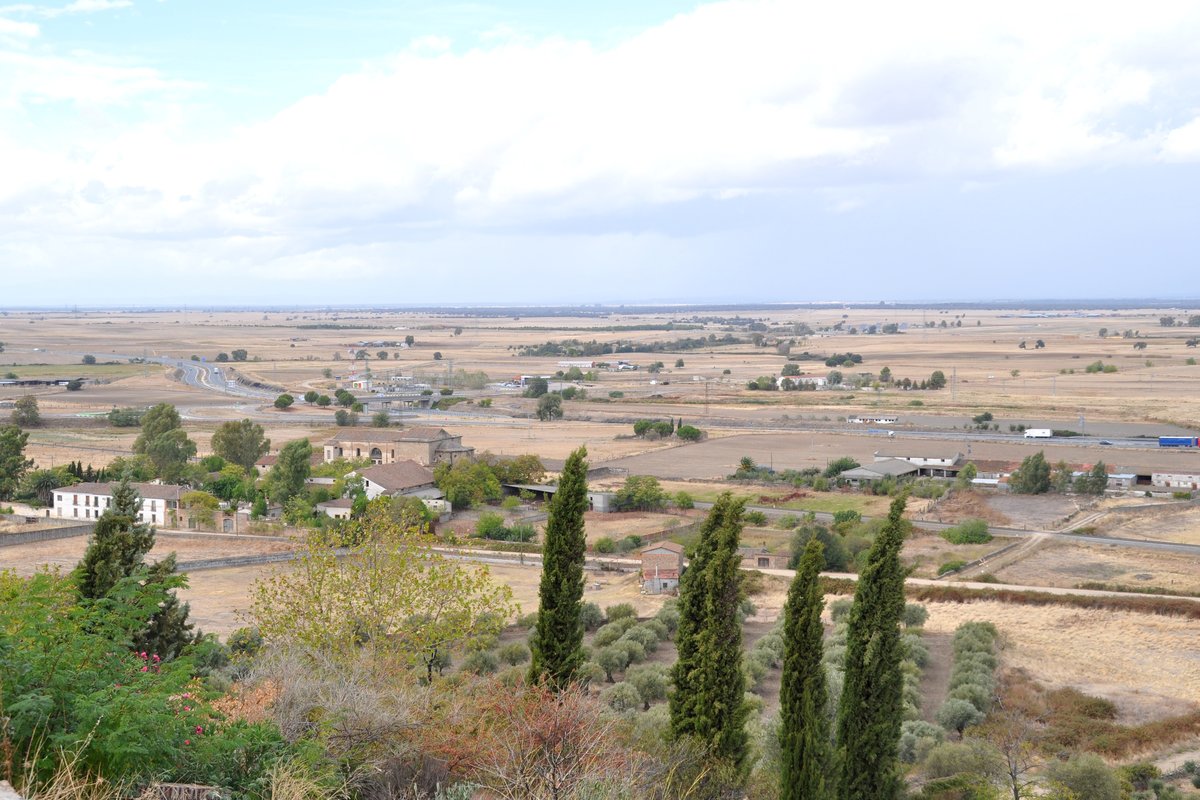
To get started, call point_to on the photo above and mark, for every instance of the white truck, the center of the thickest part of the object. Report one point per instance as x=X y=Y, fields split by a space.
x=1038 y=433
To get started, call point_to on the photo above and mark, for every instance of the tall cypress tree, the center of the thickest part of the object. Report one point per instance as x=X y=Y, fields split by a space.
x=869 y=714
x=709 y=698
x=557 y=642
x=693 y=616
x=722 y=690
x=804 y=738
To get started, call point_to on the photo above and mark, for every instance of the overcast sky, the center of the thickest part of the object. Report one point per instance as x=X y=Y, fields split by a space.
x=417 y=151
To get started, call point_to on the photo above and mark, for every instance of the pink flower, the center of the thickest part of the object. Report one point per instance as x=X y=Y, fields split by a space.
x=187 y=741
x=145 y=669
x=187 y=708
x=143 y=655
x=199 y=729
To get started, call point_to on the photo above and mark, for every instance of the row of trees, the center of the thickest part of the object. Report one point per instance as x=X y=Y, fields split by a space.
x=1035 y=476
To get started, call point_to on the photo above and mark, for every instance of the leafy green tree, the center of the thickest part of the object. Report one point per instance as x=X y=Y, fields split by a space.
x=284 y=401
x=324 y=401
x=311 y=396
x=25 y=412
x=549 y=407
x=804 y=735
x=409 y=340
x=467 y=483
x=13 y=463
x=1032 y=477
x=238 y=355
x=158 y=420
x=222 y=357
x=241 y=443
x=380 y=419
x=536 y=387
x=89 y=360
x=42 y=483
x=169 y=452
x=871 y=710
x=708 y=703
x=1095 y=481
x=291 y=469
x=640 y=492
x=557 y=641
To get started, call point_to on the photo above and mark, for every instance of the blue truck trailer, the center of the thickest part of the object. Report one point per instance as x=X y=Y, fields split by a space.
x=1178 y=441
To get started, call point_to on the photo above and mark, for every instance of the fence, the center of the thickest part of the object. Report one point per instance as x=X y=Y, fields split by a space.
x=44 y=534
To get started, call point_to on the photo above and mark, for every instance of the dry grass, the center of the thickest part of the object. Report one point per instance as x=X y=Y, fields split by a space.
x=1067 y=565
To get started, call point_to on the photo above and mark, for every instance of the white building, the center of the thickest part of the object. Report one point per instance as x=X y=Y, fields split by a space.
x=160 y=502
x=398 y=478
x=1185 y=481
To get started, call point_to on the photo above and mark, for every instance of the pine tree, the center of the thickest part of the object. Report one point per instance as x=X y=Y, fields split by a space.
x=870 y=711
x=693 y=594
x=557 y=642
x=118 y=546
x=804 y=738
x=117 y=551
x=168 y=631
x=709 y=698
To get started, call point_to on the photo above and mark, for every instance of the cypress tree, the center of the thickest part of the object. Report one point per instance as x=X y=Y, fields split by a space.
x=692 y=619
x=869 y=713
x=804 y=738
x=557 y=642
x=709 y=699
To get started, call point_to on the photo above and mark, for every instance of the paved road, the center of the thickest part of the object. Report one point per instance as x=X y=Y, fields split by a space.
x=1021 y=533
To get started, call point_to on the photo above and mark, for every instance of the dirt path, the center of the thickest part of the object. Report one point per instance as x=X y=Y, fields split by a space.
x=935 y=678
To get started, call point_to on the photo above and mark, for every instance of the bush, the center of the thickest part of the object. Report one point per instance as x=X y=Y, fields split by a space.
x=658 y=627
x=915 y=615
x=689 y=433
x=644 y=636
x=527 y=621
x=840 y=609
x=787 y=522
x=956 y=715
x=622 y=697
x=245 y=642
x=591 y=616
x=612 y=659
x=514 y=653
x=607 y=634
x=973 y=531
x=951 y=565
x=917 y=738
x=669 y=616
x=954 y=758
x=756 y=518
x=605 y=545
x=589 y=672
x=1088 y=776
x=684 y=500
x=481 y=662
x=635 y=653
x=620 y=611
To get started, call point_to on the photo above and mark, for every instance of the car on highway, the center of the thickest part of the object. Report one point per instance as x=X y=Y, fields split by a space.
x=1105 y=441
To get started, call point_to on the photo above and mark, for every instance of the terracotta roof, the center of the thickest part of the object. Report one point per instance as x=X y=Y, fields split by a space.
x=398 y=476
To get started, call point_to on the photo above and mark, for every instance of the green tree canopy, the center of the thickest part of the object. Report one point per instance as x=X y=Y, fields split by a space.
x=291 y=469
x=241 y=443
x=1032 y=477
x=25 y=412
x=804 y=731
x=13 y=463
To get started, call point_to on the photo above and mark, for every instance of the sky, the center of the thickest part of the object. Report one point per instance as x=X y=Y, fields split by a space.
x=408 y=152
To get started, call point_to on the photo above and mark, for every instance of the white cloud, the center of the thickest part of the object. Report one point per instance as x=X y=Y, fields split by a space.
x=17 y=30
x=734 y=100
x=86 y=6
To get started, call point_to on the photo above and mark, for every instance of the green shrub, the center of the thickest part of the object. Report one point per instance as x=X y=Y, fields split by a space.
x=607 y=634
x=973 y=531
x=605 y=545
x=669 y=616
x=481 y=662
x=514 y=653
x=589 y=672
x=620 y=611
x=915 y=615
x=527 y=621
x=591 y=616
x=787 y=522
x=957 y=714
x=684 y=500
x=951 y=565
x=840 y=609
x=245 y=642
x=622 y=697
x=756 y=518
x=634 y=650
x=1086 y=775
x=644 y=636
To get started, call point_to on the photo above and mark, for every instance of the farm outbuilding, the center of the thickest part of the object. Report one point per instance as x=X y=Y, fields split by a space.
x=662 y=564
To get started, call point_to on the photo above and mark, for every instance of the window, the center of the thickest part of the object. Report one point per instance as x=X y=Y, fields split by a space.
x=154 y=517
x=76 y=510
x=76 y=501
x=154 y=505
x=764 y=562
